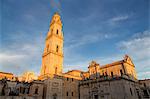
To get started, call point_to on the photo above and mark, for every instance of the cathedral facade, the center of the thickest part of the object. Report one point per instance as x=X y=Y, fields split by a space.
x=117 y=80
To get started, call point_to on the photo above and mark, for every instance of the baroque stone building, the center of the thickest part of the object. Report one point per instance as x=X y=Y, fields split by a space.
x=52 y=58
x=117 y=80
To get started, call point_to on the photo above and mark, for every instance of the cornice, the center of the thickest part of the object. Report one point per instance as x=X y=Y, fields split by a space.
x=61 y=38
x=53 y=52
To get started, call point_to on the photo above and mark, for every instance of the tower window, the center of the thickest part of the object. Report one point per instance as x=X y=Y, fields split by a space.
x=52 y=31
x=57 y=48
x=57 y=32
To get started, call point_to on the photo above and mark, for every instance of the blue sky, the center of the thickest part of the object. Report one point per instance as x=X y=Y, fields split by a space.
x=101 y=30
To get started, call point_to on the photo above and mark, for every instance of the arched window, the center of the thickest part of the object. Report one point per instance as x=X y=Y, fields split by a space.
x=57 y=48
x=57 y=32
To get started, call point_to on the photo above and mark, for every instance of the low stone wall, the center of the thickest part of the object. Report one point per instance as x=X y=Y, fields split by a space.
x=19 y=97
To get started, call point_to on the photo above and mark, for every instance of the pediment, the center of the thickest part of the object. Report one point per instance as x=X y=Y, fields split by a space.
x=128 y=60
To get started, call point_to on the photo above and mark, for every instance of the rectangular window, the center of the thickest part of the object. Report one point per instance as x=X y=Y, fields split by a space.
x=112 y=75
x=67 y=93
x=57 y=48
x=145 y=93
x=131 y=91
x=103 y=74
x=72 y=93
x=36 y=91
x=121 y=72
x=95 y=96
x=106 y=74
x=57 y=32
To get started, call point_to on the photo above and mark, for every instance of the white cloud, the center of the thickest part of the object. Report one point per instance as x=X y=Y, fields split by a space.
x=81 y=63
x=20 y=60
x=6 y=57
x=144 y=75
x=139 y=48
x=114 y=21
x=73 y=41
x=20 y=56
x=74 y=60
x=139 y=45
x=119 y=18
x=11 y=62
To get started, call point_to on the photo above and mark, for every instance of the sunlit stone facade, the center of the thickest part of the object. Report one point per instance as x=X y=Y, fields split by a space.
x=9 y=76
x=27 y=77
x=117 y=80
x=52 y=59
x=123 y=67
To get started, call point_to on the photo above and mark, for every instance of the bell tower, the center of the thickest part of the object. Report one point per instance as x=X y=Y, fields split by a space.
x=52 y=58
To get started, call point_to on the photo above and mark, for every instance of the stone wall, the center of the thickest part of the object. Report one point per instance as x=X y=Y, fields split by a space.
x=108 y=89
x=18 y=97
x=145 y=87
x=70 y=88
x=53 y=88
